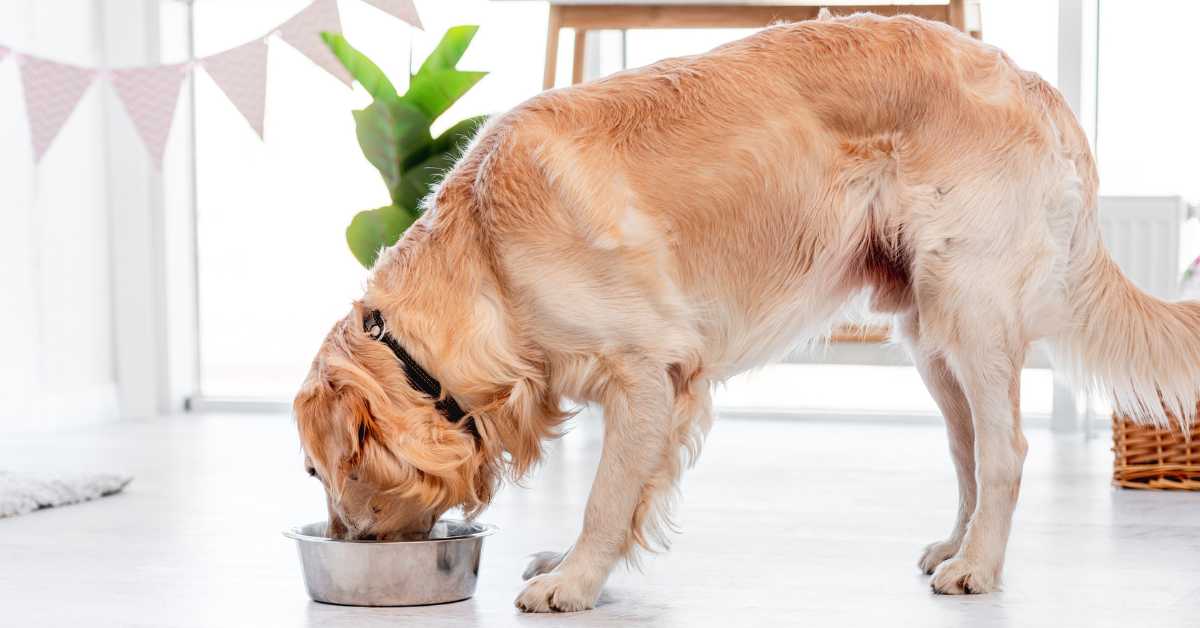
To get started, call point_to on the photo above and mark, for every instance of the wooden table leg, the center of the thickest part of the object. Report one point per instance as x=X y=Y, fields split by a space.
x=554 y=24
x=580 y=56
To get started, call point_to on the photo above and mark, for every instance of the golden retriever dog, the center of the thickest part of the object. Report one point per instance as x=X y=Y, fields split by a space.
x=630 y=241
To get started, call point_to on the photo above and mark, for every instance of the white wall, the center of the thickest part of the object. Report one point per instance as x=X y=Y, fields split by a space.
x=55 y=313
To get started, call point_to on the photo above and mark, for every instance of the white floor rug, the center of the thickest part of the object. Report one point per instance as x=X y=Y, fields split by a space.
x=22 y=493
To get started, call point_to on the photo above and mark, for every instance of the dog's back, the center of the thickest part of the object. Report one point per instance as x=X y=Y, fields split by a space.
x=797 y=156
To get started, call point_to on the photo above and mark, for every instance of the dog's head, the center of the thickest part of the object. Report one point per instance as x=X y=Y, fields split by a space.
x=391 y=462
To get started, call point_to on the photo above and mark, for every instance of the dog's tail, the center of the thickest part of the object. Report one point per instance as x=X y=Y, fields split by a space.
x=1139 y=351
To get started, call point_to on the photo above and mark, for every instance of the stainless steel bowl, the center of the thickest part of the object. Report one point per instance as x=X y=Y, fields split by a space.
x=392 y=573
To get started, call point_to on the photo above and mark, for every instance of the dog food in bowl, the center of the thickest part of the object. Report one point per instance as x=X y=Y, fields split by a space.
x=440 y=569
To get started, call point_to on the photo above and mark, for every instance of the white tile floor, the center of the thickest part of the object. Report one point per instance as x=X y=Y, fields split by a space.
x=784 y=523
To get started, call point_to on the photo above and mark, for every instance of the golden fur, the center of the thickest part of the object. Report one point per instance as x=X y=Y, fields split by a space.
x=631 y=241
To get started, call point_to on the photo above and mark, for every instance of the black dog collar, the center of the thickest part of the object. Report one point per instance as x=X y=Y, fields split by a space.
x=418 y=377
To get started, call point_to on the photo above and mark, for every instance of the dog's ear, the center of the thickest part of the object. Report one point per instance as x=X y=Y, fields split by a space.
x=335 y=424
x=360 y=425
x=312 y=408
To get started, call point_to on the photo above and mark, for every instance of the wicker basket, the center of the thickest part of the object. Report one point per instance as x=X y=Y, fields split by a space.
x=1149 y=457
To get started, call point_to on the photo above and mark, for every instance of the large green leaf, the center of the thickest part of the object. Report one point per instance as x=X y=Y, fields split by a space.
x=361 y=68
x=394 y=135
x=434 y=91
x=456 y=137
x=417 y=181
x=437 y=84
x=450 y=49
x=453 y=139
x=376 y=229
x=389 y=136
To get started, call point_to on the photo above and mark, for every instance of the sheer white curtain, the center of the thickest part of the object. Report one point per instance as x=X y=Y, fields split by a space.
x=56 y=365
x=85 y=244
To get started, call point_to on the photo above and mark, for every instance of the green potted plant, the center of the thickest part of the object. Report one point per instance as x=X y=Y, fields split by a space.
x=394 y=134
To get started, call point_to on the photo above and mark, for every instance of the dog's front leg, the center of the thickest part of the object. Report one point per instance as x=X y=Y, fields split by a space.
x=637 y=404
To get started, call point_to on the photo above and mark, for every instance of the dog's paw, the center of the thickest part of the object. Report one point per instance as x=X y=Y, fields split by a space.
x=542 y=562
x=936 y=554
x=553 y=592
x=959 y=576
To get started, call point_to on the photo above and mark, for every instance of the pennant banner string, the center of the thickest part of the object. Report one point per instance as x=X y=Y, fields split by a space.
x=52 y=90
x=242 y=74
x=150 y=96
x=303 y=32
x=402 y=9
x=150 y=93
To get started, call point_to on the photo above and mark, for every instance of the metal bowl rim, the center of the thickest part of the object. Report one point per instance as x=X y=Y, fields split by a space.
x=487 y=529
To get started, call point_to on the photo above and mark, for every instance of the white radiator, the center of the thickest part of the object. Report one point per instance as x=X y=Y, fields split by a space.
x=1143 y=235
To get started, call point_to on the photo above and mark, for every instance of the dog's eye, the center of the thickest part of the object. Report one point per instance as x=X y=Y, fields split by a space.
x=311 y=471
x=376 y=509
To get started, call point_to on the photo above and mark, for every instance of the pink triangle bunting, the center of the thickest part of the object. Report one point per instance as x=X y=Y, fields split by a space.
x=242 y=74
x=150 y=95
x=403 y=9
x=52 y=91
x=303 y=32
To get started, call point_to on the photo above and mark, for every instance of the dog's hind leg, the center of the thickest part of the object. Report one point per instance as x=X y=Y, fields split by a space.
x=948 y=394
x=978 y=327
x=543 y=562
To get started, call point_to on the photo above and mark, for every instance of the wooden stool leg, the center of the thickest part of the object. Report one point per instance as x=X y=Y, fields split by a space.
x=958 y=14
x=580 y=56
x=553 y=26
